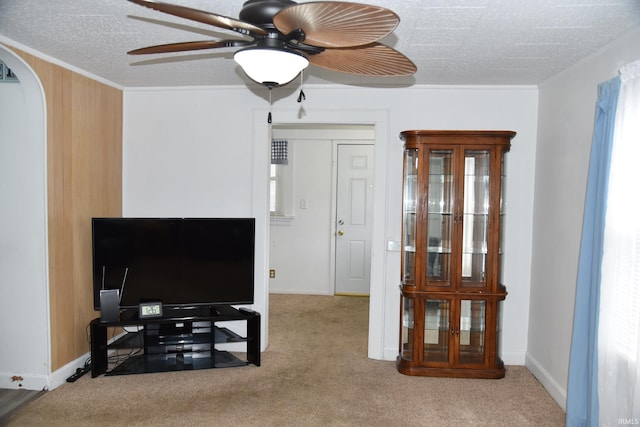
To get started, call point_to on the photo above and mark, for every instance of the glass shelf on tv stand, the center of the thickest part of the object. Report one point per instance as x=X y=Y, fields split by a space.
x=135 y=340
x=176 y=362
x=182 y=313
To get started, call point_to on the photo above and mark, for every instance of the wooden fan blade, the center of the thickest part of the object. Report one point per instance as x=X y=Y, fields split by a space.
x=372 y=60
x=204 y=17
x=337 y=24
x=186 y=46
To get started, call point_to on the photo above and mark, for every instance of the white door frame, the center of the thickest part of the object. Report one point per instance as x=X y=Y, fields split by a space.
x=261 y=160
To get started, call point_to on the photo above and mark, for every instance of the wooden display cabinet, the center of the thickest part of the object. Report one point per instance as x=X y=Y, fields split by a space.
x=452 y=234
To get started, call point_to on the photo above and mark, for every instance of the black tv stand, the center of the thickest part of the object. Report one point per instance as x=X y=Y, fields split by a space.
x=182 y=339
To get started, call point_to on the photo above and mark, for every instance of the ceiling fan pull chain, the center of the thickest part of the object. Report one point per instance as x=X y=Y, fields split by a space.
x=302 y=96
x=270 y=105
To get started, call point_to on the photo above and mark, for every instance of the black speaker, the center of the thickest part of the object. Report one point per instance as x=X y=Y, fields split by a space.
x=109 y=305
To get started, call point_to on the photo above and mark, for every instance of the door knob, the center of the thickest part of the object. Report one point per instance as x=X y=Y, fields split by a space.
x=340 y=233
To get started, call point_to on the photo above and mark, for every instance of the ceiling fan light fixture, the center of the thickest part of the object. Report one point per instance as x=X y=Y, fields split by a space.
x=271 y=66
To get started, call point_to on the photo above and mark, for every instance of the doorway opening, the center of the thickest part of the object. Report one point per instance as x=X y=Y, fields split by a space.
x=320 y=234
x=380 y=306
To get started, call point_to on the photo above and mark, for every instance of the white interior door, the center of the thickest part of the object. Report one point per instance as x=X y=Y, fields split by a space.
x=354 y=214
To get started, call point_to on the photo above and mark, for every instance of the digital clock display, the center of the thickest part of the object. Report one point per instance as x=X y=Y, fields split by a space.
x=150 y=309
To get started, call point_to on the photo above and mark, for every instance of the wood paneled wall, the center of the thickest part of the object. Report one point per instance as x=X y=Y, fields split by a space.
x=84 y=161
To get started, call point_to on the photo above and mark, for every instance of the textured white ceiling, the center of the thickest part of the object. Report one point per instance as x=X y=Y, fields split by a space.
x=450 y=41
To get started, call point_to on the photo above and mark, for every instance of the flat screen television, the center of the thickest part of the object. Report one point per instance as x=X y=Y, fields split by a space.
x=181 y=262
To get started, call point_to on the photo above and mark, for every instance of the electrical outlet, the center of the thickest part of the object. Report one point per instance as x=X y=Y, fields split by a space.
x=272 y=274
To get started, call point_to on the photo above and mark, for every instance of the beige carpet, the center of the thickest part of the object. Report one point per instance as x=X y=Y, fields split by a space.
x=314 y=373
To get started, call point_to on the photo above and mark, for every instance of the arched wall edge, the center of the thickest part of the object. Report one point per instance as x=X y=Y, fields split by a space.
x=39 y=377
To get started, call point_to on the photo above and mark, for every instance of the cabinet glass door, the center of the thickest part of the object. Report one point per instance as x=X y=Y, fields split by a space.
x=436 y=330
x=499 y=330
x=406 y=344
x=475 y=221
x=439 y=216
x=503 y=212
x=472 y=331
x=409 y=211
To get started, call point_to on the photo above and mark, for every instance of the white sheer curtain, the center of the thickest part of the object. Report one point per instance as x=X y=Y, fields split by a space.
x=619 y=323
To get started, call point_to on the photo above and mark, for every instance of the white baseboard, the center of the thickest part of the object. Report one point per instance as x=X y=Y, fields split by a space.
x=12 y=381
x=390 y=353
x=516 y=358
x=60 y=376
x=41 y=381
x=557 y=392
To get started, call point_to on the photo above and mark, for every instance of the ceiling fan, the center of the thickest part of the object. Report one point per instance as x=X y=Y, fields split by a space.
x=287 y=36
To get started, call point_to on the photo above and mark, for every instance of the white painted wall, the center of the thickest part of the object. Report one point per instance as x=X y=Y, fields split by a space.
x=24 y=303
x=204 y=152
x=565 y=129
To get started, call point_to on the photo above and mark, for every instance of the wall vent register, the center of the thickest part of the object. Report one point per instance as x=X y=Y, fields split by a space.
x=6 y=75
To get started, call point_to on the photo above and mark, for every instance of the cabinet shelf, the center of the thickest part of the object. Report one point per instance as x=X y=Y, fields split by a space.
x=438 y=250
x=452 y=291
x=436 y=213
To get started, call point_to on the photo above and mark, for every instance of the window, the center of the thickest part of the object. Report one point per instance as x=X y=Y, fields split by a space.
x=281 y=192
x=275 y=196
x=619 y=316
